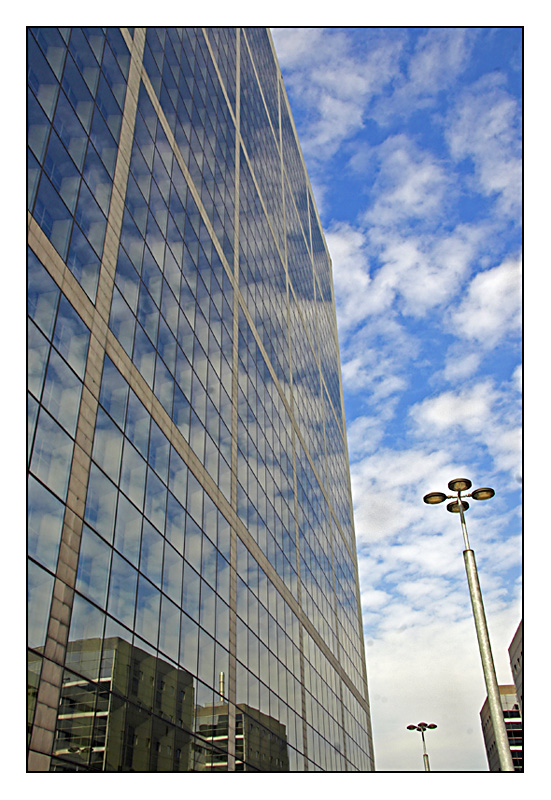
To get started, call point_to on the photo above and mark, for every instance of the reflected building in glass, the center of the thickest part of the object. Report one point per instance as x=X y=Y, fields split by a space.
x=192 y=579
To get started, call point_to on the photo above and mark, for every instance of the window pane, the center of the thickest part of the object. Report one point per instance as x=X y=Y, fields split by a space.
x=97 y=179
x=121 y=321
x=128 y=530
x=38 y=348
x=191 y=592
x=159 y=450
x=41 y=78
x=71 y=337
x=70 y=130
x=169 y=635
x=147 y=611
x=206 y=658
x=62 y=172
x=107 y=445
x=178 y=477
x=101 y=501
x=78 y=93
x=155 y=500
x=173 y=567
x=45 y=524
x=137 y=424
x=40 y=586
x=122 y=591
x=114 y=392
x=151 y=559
x=86 y=628
x=127 y=279
x=91 y=219
x=175 y=523
x=93 y=567
x=103 y=141
x=189 y=644
x=38 y=127
x=62 y=391
x=207 y=618
x=52 y=455
x=32 y=416
x=83 y=263
x=133 y=472
x=144 y=355
x=53 y=216
x=42 y=295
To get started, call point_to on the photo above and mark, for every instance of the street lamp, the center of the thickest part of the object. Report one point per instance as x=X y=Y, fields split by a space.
x=422 y=727
x=459 y=505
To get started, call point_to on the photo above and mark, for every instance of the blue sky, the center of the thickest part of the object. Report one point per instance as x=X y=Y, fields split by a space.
x=412 y=140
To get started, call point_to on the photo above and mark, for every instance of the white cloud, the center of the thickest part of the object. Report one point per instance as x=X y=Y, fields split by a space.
x=411 y=183
x=492 y=306
x=470 y=408
x=460 y=365
x=422 y=271
x=479 y=415
x=334 y=82
x=440 y=56
x=484 y=127
x=364 y=435
x=351 y=279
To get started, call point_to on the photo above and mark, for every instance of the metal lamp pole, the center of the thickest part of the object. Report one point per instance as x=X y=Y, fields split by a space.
x=422 y=727
x=460 y=485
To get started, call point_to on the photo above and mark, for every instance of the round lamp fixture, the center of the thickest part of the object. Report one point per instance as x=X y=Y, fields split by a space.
x=460 y=484
x=434 y=497
x=483 y=494
x=455 y=508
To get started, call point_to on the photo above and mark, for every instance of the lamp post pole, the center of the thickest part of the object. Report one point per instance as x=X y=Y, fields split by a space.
x=496 y=711
x=422 y=727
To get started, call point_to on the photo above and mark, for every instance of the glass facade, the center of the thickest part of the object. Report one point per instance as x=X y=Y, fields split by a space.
x=192 y=577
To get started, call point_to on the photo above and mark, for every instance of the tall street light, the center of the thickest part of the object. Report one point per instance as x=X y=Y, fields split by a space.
x=422 y=727
x=459 y=505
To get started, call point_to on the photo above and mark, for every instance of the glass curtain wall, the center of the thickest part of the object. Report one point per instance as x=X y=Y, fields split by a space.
x=193 y=599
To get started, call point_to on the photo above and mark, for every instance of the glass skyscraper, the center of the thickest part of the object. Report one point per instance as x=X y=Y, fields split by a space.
x=192 y=575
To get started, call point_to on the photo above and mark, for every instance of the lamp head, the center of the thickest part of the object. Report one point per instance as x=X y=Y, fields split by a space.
x=483 y=493
x=434 y=497
x=460 y=484
x=455 y=508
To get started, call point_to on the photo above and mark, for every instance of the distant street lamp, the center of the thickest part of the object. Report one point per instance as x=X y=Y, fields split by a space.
x=459 y=505
x=422 y=727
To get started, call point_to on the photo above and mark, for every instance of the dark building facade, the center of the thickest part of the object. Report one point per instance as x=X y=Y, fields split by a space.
x=192 y=576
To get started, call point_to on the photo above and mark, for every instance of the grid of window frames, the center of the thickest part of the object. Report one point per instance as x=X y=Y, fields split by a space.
x=214 y=617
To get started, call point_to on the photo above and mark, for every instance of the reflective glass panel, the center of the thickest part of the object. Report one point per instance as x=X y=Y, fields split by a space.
x=38 y=348
x=71 y=337
x=52 y=455
x=45 y=522
x=62 y=391
x=40 y=585
x=147 y=611
x=128 y=530
x=122 y=591
x=93 y=567
x=101 y=502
